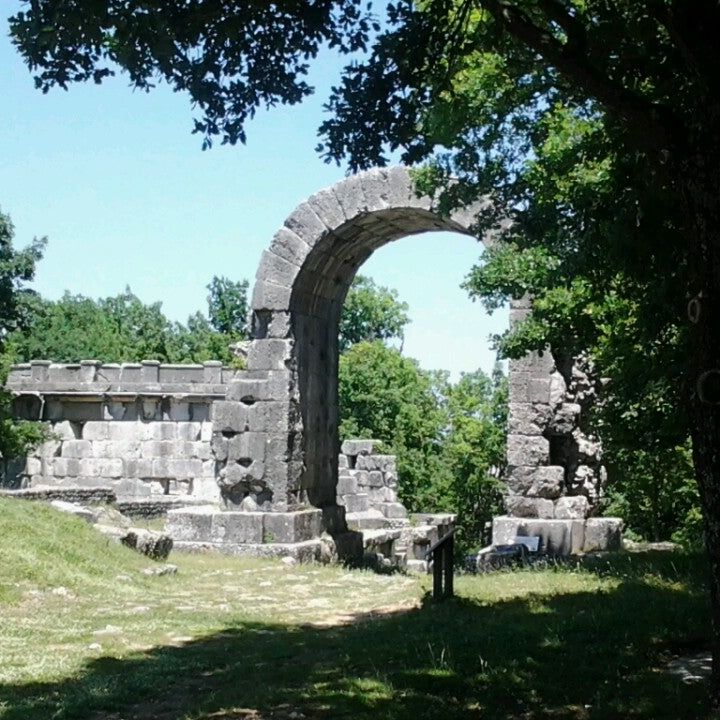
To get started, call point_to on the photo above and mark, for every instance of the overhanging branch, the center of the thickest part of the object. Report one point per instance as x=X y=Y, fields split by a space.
x=657 y=122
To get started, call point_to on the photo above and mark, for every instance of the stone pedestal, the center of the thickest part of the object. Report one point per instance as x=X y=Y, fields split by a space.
x=561 y=536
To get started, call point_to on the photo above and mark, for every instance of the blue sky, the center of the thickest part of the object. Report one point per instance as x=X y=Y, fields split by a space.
x=126 y=196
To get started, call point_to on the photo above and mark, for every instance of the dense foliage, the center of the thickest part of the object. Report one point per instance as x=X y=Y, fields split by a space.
x=17 y=268
x=371 y=313
x=124 y=329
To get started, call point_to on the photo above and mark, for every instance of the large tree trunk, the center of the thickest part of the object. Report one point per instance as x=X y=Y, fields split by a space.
x=701 y=192
x=706 y=456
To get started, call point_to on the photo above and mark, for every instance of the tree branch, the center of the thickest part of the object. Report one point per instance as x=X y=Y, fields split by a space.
x=693 y=31
x=657 y=122
x=574 y=30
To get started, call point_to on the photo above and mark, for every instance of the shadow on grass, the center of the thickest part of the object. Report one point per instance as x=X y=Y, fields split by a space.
x=582 y=655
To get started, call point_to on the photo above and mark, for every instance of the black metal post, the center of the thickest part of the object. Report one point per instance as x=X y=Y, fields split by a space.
x=449 y=551
x=437 y=574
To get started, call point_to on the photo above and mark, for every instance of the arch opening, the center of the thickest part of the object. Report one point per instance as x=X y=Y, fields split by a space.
x=315 y=307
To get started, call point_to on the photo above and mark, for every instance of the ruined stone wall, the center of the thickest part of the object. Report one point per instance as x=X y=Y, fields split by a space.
x=141 y=429
x=555 y=466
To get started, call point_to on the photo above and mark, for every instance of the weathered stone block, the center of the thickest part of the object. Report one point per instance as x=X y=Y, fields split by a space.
x=357 y=502
x=280 y=325
x=122 y=448
x=219 y=447
x=160 y=468
x=268 y=296
x=123 y=431
x=66 y=430
x=572 y=507
x=392 y=510
x=275 y=269
x=545 y=482
x=520 y=506
x=290 y=527
x=359 y=447
x=518 y=387
x=557 y=389
x=65 y=467
x=374 y=479
x=77 y=449
x=206 y=431
x=287 y=245
x=527 y=450
x=557 y=537
x=247 y=446
x=89 y=467
x=527 y=419
x=184 y=468
x=347 y=485
x=157 y=449
x=234 y=473
x=95 y=430
x=237 y=527
x=271 y=354
x=603 y=534
x=137 y=468
x=191 y=523
x=109 y=467
x=165 y=430
x=188 y=431
x=376 y=462
x=328 y=209
x=361 y=477
x=200 y=450
x=539 y=390
x=306 y=224
x=274 y=385
x=350 y=196
x=565 y=418
x=228 y=416
x=33 y=466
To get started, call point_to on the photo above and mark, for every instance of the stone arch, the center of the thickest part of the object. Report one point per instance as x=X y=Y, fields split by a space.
x=301 y=285
x=276 y=435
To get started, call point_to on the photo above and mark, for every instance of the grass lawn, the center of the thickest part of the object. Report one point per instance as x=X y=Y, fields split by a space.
x=84 y=634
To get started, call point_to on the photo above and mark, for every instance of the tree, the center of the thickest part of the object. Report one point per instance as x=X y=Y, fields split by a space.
x=230 y=59
x=113 y=329
x=17 y=268
x=386 y=396
x=474 y=450
x=593 y=127
x=371 y=313
x=228 y=306
x=124 y=329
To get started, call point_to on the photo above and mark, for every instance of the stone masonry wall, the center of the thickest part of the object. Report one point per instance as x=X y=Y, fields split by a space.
x=142 y=430
x=367 y=481
x=554 y=467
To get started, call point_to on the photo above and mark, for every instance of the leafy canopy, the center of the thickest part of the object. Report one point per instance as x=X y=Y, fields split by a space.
x=230 y=58
x=17 y=269
x=371 y=313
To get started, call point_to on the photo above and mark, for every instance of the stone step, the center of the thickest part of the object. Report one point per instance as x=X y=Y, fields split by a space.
x=367 y=520
x=374 y=538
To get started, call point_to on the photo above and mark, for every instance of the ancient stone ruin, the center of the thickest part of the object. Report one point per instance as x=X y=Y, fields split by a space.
x=253 y=454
